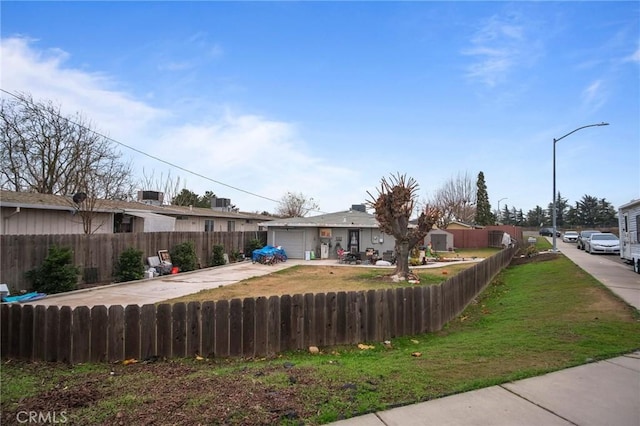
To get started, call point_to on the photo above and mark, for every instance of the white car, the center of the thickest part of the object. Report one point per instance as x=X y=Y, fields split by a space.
x=602 y=242
x=570 y=237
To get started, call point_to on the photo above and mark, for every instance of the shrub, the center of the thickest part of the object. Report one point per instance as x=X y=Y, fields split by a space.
x=254 y=244
x=217 y=258
x=184 y=256
x=57 y=273
x=130 y=265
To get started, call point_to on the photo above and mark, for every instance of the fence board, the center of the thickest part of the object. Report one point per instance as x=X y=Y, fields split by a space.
x=261 y=326
x=249 y=327
x=64 y=338
x=4 y=331
x=53 y=330
x=273 y=325
x=132 y=332
x=235 y=327
x=99 y=333
x=115 y=332
x=361 y=317
x=285 y=323
x=331 y=319
x=390 y=312
x=372 y=316
x=418 y=309
x=193 y=329
x=147 y=331
x=39 y=332
x=26 y=332
x=222 y=328
x=319 y=318
x=81 y=335
x=408 y=311
x=208 y=331
x=163 y=330
x=15 y=318
x=297 y=322
x=179 y=330
x=309 y=325
x=341 y=318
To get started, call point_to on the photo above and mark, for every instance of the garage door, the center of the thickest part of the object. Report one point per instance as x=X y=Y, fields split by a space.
x=291 y=241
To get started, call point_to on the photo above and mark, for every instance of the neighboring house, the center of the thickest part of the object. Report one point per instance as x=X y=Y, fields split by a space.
x=354 y=230
x=454 y=224
x=27 y=213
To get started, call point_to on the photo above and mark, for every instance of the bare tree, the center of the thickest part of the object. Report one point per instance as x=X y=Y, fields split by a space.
x=456 y=200
x=393 y=207
x=43 y=151
x=294 y=204
x=170 y=187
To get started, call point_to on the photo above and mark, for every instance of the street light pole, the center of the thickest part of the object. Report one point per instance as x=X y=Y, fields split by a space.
x=554 y=213
x=499 y=214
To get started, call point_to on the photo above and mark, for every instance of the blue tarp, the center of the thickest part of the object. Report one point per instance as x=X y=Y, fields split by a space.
x=268 y=253
x=24 y=297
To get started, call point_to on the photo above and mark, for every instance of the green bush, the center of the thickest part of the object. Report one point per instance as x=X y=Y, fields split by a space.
x=130 y=266
x=57 y=273
x=217 y=258
x=184 y=256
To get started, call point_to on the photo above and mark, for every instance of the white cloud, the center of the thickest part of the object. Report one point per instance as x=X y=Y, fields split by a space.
x=634 y=57
x=233 y=153
x=499 y=47
x=594 y=95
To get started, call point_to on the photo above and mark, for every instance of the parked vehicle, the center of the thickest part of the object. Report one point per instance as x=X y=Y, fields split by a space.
x=570 y=236
x=602 y=242
x=548 y=232
x=584 y=235
x=629 y=217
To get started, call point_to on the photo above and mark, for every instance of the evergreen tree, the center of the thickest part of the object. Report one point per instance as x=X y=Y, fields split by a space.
x=483 y=208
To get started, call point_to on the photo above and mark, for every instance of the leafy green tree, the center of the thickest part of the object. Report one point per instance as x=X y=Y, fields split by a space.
x=185 y=198
x=561 y=208
x=537 y=217
x=57 y=274
x=484 y=216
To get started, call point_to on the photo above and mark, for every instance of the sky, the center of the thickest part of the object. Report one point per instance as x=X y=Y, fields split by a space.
x=251 y=100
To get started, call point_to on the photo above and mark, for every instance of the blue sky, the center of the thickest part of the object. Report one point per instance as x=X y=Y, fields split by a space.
x=327 y=98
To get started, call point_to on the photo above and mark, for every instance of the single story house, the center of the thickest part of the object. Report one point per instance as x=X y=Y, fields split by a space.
x=28 y=213
x=353 y=230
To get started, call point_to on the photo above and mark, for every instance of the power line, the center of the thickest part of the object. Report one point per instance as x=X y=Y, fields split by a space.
x=150 y=155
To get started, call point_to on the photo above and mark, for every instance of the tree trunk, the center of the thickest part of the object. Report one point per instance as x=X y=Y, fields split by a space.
x=402 y=259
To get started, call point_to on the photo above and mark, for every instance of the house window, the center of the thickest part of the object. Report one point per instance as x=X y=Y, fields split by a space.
x=231 y=226
x=208 y=225
x=325 y=232
x=638 y=228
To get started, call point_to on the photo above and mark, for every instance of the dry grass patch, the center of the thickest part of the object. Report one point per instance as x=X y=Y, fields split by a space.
x=320 y=279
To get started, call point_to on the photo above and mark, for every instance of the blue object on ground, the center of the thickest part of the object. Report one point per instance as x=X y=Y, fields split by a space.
x=269 y=254
x=24 y=297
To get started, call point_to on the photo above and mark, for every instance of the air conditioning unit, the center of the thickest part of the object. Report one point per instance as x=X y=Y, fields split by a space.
x=155 y=198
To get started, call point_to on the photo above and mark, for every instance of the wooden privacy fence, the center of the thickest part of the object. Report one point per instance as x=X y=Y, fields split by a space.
x=249 y=327
x=97 y=254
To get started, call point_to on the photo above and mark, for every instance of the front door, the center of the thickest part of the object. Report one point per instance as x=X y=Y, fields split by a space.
x=354 y=241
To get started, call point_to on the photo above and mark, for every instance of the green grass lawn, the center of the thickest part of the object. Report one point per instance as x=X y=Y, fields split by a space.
x=532 y=319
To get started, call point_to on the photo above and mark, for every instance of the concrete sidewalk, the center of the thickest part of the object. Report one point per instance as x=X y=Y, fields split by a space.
x=596 y=394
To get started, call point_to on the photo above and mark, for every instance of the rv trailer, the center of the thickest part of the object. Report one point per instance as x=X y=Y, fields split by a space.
x=629 y=217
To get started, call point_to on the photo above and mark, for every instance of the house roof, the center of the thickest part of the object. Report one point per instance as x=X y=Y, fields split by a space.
x=343 y=219
x=59 y=202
